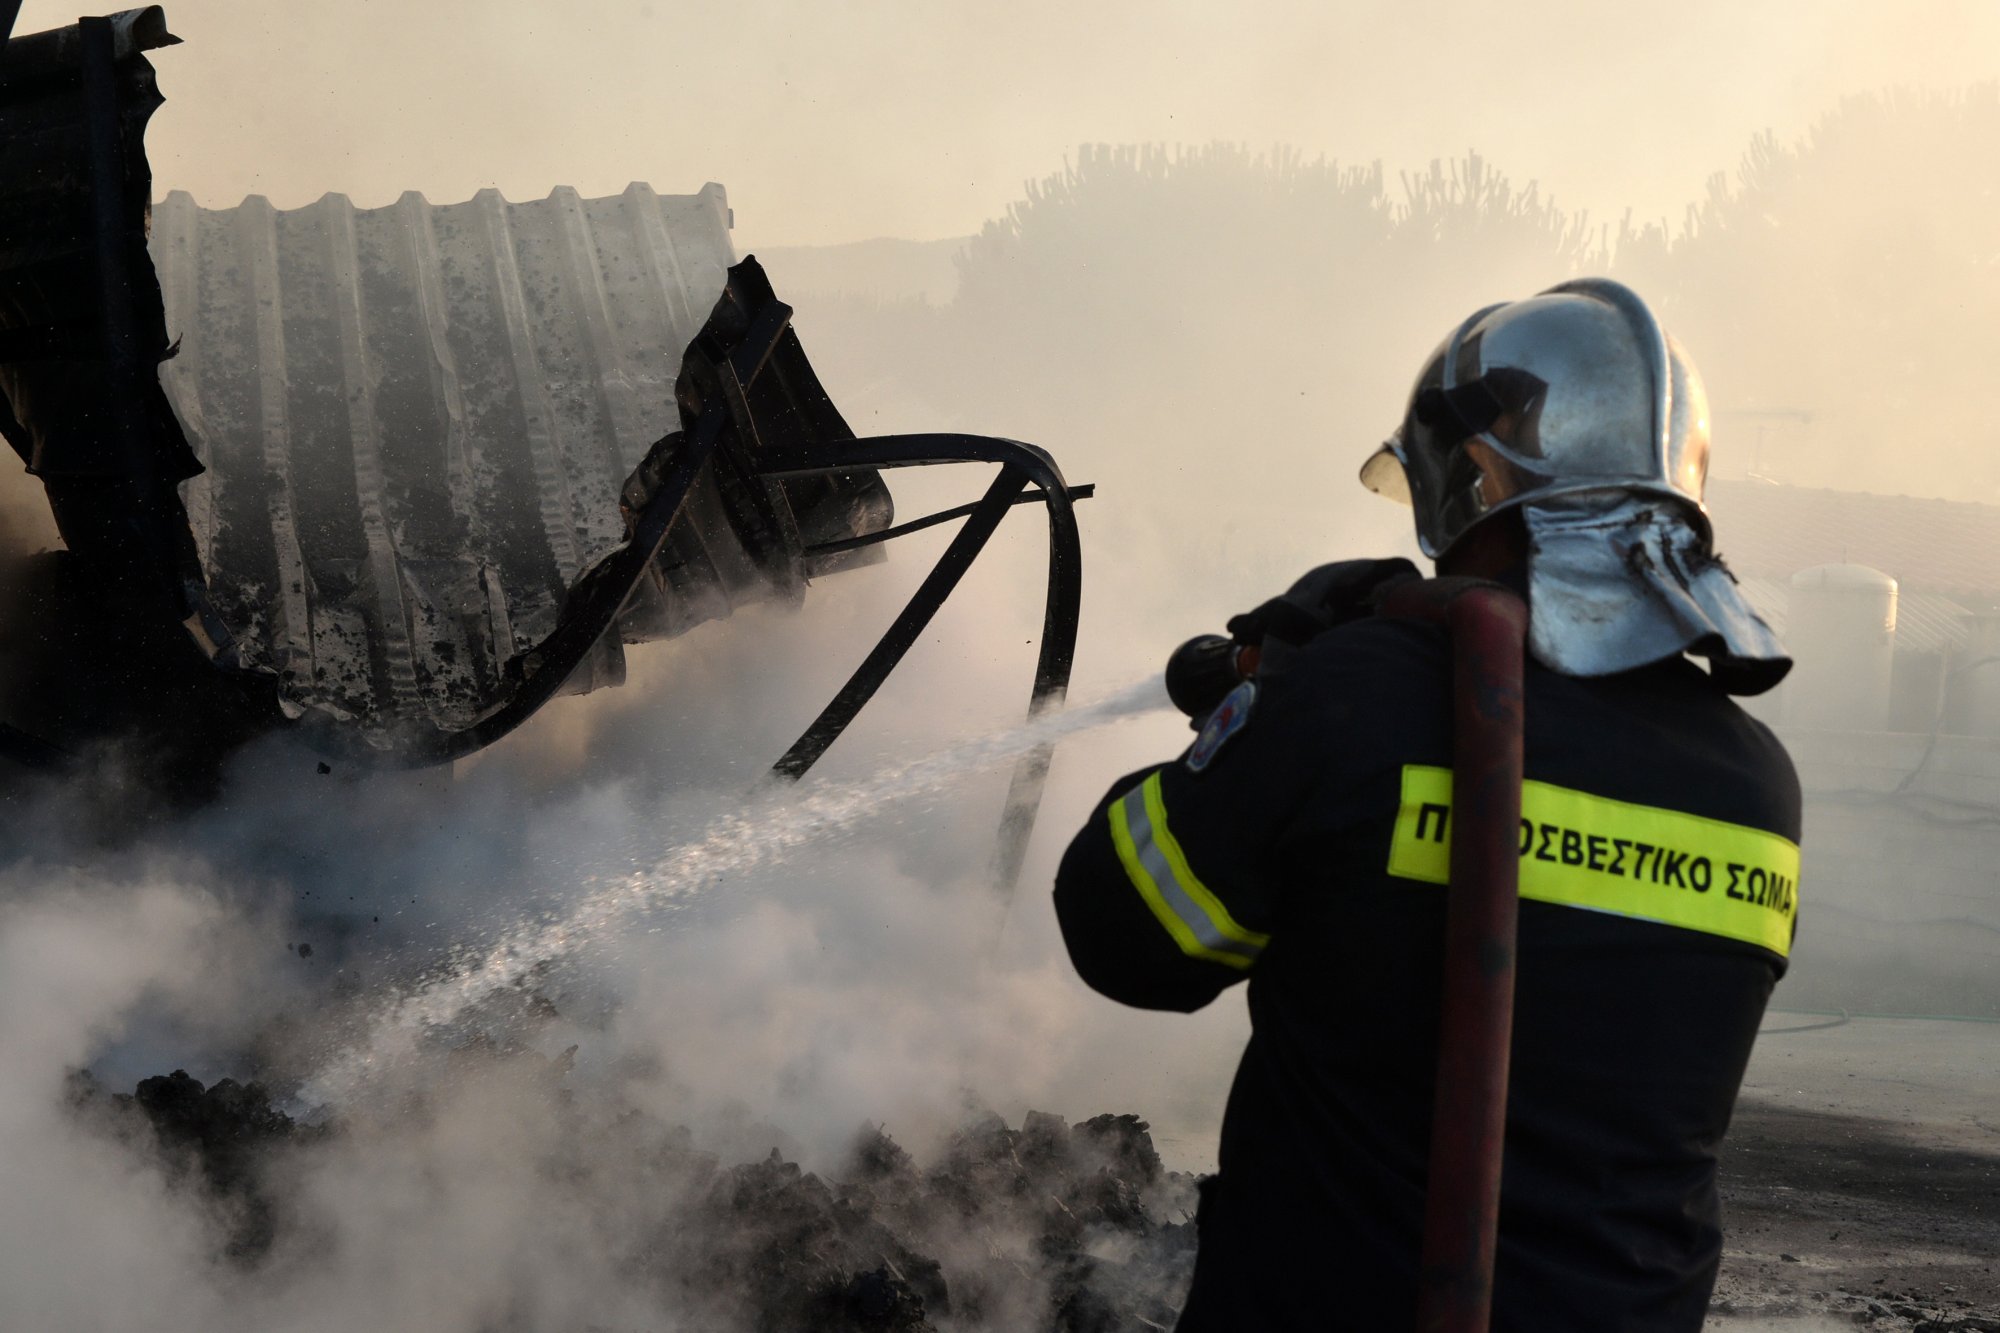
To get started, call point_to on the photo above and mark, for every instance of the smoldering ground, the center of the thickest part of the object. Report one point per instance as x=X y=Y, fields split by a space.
x=560 y=1154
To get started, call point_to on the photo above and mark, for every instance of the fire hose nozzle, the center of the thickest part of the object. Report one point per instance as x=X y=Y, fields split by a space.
x=1204 y=669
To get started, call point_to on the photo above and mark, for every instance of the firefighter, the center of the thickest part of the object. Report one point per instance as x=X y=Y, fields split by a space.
x=1558 y=445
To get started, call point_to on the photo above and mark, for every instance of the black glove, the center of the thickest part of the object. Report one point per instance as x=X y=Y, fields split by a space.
x=1203 y=670
x=1325 y=597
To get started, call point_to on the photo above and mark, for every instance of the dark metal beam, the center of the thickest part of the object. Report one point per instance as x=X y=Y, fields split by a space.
x=10 y=13
x=110 y=212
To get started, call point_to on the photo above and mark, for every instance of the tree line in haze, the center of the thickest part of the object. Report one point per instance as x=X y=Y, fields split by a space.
x=1150 y=302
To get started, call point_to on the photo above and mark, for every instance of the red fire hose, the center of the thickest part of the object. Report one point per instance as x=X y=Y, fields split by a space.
x=1488 y=627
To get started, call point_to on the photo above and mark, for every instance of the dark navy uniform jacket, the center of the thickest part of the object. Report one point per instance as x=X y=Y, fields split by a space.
x=1307 y=853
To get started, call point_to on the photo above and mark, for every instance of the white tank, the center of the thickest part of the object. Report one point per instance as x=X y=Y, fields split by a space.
x=1842 y=635
x=1975 y=682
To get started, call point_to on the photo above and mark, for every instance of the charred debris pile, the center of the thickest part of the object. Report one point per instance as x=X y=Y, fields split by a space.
x=1048 y=1225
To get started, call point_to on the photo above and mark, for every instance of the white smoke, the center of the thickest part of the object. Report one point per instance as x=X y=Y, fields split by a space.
x=811 y=959
x=94 y=1237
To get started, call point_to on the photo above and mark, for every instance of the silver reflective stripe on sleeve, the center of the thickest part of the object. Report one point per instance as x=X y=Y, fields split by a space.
x=1153 y=861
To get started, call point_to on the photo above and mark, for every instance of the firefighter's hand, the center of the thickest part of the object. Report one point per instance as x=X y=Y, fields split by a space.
x=1328 y=596
x=1261 y=642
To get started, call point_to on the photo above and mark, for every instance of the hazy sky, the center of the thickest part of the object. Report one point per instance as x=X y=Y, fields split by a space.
x=839 y=119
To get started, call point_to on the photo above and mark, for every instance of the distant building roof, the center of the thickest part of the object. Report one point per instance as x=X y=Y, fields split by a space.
x=1926 y=622
x=1945 y=547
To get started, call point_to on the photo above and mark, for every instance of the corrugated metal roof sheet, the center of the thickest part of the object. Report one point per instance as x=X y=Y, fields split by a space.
x=416 y=419
x=1768 y=531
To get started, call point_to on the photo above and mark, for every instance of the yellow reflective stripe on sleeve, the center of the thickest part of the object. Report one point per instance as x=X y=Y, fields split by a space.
x=1579 y=850
x=1158 y=869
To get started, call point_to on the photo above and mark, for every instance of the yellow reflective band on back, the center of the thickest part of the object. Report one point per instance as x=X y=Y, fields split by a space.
x=1158 y=869
x=1592 y=852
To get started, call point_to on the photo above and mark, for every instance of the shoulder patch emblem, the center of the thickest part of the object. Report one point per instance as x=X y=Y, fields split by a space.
x=1229 y=717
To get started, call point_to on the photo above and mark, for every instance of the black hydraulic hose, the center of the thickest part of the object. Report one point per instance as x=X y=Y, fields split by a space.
x=1061 y=611
x=604 y=590
x=844 y=544
x=907 y=627
x=610 y=583
x=1063 y=605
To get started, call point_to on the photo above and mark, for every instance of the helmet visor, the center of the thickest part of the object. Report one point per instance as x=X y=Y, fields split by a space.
x=1383 y=472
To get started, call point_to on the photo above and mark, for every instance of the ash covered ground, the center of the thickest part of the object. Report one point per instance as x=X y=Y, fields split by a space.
x=1037 y=1225
x=1861 y=1178
x=1042 y=1224
x=1854 y=1221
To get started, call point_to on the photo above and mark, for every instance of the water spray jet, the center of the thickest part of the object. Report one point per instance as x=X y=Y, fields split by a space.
x=776 y=822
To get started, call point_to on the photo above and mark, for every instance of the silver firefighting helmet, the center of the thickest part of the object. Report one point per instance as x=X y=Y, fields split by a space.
x=1578 y=409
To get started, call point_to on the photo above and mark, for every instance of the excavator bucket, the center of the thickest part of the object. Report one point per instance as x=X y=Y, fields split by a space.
x=391 y=478
x=416 y=423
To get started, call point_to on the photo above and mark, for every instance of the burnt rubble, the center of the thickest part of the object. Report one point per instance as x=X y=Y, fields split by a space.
x=1073 y=1228
x=1042 y=1225
x=214 y=1139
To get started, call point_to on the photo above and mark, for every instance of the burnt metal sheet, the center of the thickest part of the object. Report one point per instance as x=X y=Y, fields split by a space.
x=415 y=421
